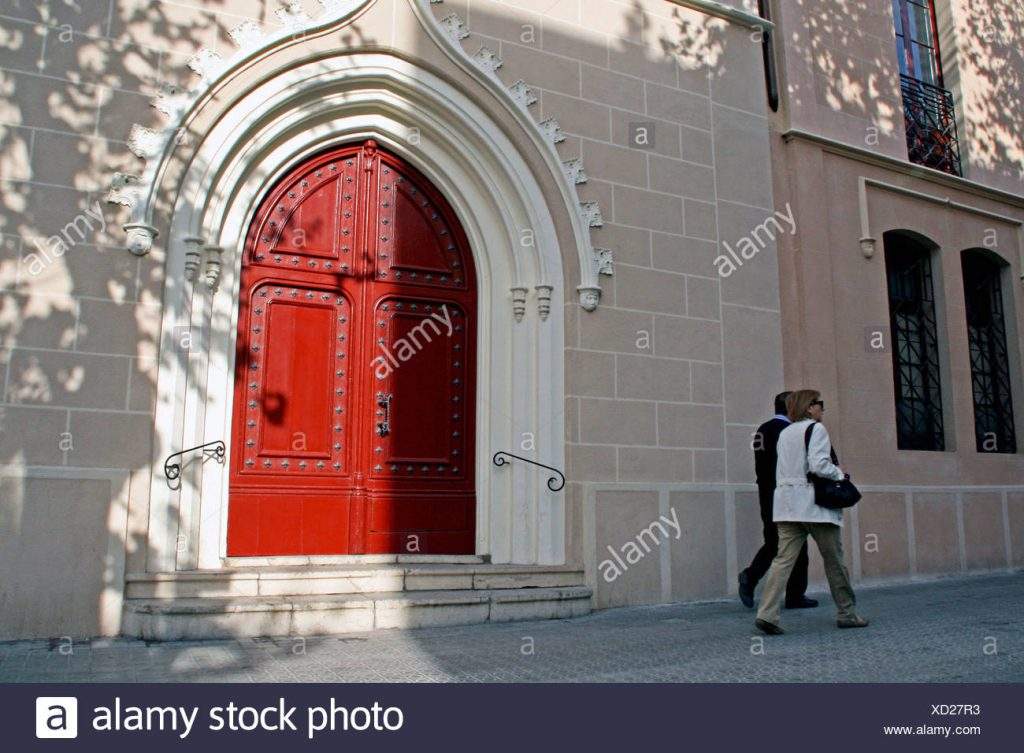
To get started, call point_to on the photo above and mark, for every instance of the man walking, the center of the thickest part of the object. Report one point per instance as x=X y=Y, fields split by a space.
x=766 y=456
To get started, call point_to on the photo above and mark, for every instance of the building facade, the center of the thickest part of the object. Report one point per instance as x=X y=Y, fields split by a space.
x=894 y=144
x=342 y=314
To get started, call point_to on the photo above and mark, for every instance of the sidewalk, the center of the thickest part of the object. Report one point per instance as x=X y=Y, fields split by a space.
x=963 y=630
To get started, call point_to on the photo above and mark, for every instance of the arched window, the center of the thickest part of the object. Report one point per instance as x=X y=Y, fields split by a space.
x=915 y=350
x=990 y=363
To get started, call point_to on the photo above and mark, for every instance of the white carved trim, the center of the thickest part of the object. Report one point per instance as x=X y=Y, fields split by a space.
x=455 y=26
x=522 y=94
x=140 y=237
x=519 y=302
x=551 y=131
x=268 y=130
x=193 y=256
x=213 y=266
x=544 y=301
x=487 y=61
x=574 y=171
x=178 y=105
x=144 y=142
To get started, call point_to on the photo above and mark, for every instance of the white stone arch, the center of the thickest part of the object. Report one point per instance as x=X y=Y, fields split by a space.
x=266 y=131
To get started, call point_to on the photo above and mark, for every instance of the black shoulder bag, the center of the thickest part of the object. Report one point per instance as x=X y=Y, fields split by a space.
x=835 y=495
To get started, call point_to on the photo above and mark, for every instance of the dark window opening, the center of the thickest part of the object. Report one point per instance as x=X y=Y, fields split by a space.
x=990 y=363
x=915 y=349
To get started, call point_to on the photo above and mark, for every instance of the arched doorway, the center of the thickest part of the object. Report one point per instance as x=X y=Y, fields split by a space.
x=354 y=408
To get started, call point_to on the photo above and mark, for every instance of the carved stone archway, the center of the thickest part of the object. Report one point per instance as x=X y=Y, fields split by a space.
x=282 y=121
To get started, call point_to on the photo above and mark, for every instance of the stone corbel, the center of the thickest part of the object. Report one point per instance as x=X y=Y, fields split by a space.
x=544 y=300
x=193 y=256
x=140 y=237
x=213 y=266
x=867 y=241
x=519 y=303
x=590 y=297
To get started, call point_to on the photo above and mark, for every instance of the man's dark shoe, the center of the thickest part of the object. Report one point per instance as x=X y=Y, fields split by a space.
x=746 y=590
x=851 y=622
x=802 y=603
x=769 y=628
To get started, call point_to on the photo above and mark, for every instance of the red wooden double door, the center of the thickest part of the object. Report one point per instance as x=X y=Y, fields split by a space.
x=353 y=425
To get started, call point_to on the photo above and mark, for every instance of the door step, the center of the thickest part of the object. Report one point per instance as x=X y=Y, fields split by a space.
x=294 y=600
x=254 y=616
x=355 y=559
x=363 y=578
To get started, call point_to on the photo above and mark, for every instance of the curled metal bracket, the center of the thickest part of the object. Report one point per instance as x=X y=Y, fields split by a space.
x=555 y=483
x=173 y=470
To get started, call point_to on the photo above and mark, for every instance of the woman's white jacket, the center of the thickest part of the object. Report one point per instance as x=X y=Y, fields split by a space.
x=794 y=494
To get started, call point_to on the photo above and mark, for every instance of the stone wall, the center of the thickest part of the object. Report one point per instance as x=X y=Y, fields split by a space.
x=893 y=534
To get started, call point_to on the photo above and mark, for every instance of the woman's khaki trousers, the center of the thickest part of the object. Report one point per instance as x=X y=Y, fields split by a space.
x=792 y=536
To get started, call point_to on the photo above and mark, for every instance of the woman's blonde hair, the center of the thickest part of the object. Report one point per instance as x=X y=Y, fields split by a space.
x=799 y=402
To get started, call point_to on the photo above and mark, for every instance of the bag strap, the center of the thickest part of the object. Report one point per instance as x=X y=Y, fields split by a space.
x=807 y=435
x=807 y=447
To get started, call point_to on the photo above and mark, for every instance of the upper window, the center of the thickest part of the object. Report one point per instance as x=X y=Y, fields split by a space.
x=990 y=363
x=928 y=108
x=917 y=40
x=915 y=348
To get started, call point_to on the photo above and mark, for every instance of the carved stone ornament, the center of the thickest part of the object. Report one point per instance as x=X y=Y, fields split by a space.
x=519 y=303
x=193 y=256
x=544 y=301
x=589 y=297
x=213 y=265
x=156 y=147
x=140 y=237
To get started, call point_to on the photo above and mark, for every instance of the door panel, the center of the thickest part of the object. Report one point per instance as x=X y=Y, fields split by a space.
x=302 y=396
x=424 y=380
x=355 y=367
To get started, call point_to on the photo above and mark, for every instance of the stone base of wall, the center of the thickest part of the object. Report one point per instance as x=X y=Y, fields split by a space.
x=663 y=543
x=62 y=556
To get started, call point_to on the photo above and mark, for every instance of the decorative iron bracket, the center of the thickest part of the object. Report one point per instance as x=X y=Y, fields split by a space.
x=555 y=483
x=173 y=470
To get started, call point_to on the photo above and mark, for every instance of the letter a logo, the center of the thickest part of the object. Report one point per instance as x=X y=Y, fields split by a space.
x=56 y=717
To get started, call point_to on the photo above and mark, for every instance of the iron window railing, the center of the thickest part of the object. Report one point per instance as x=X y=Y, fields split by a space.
x=990 y=362
x=919 y=419
x=932 y=138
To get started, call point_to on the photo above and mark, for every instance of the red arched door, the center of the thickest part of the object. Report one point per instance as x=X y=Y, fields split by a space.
x=354 y=427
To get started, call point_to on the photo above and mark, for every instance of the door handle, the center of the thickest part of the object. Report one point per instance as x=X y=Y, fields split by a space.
x=384 y=413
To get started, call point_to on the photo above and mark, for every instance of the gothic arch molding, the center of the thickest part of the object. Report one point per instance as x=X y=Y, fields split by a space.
x=277 y=124
x=157 y=148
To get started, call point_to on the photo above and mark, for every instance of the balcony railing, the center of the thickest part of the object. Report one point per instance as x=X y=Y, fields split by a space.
x=932 y=138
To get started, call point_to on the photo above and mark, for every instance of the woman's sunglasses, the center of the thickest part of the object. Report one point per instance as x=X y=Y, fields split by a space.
x=819 y=402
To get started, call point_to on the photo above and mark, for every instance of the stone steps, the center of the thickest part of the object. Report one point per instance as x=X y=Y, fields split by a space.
x=192 y=618
x=358 y=578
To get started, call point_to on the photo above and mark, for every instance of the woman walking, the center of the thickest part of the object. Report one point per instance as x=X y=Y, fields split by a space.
x=798 y=516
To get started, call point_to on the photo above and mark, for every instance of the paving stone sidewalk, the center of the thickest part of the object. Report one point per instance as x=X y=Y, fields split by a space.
x=963 y=630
